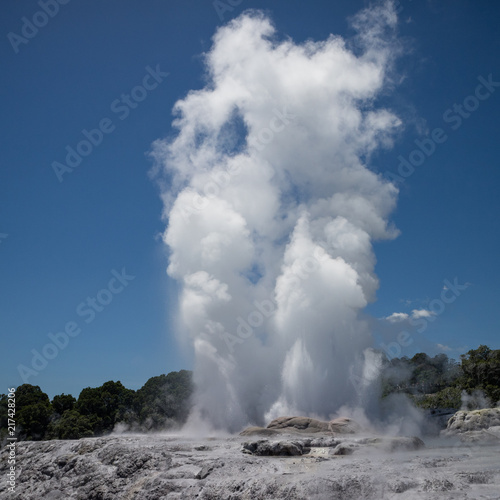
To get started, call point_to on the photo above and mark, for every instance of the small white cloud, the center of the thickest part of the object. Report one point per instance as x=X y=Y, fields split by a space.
x=421 y=313
x=444 y=347
x=397 y=317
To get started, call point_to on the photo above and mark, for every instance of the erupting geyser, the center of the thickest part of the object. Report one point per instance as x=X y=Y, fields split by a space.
x=271 y=213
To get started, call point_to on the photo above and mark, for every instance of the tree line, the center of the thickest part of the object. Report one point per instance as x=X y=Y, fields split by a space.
x=442 y=382
x=162 y=403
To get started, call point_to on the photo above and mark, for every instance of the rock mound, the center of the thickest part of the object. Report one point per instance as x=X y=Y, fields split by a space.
x=475 y=425
x=304 y=425
x=474 y=420
x=299 y=424
x=343 y=425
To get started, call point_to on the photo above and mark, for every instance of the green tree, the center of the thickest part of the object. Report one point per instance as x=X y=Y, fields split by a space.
x=71 y=425
x=419 y=375
x=106 y=405
x=481 y=370
x=33 y=411
x=164 y=400
x=63 y=402
x=27 y=394
x=450 y=397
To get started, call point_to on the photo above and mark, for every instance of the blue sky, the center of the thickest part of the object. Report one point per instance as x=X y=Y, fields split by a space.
x=62 y=242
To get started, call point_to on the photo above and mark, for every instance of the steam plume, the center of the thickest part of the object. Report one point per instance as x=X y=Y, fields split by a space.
x=271 y=215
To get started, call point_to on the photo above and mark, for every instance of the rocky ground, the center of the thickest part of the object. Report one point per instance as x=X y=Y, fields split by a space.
x=300 y=465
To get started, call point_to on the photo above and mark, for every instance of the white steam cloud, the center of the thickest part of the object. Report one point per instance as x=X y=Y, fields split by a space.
x=271 y=215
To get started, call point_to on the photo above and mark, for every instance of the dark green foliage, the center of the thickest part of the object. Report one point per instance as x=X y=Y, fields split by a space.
x=481 y=370
x=71 y=425
x=446 y=398
x=33 y=411
x=63 y=402
x=439 y=382
x=431 y=375
x=106 y=405
x=164 y=400
x=27 y=394
x=33 y=421
x=420 y=374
